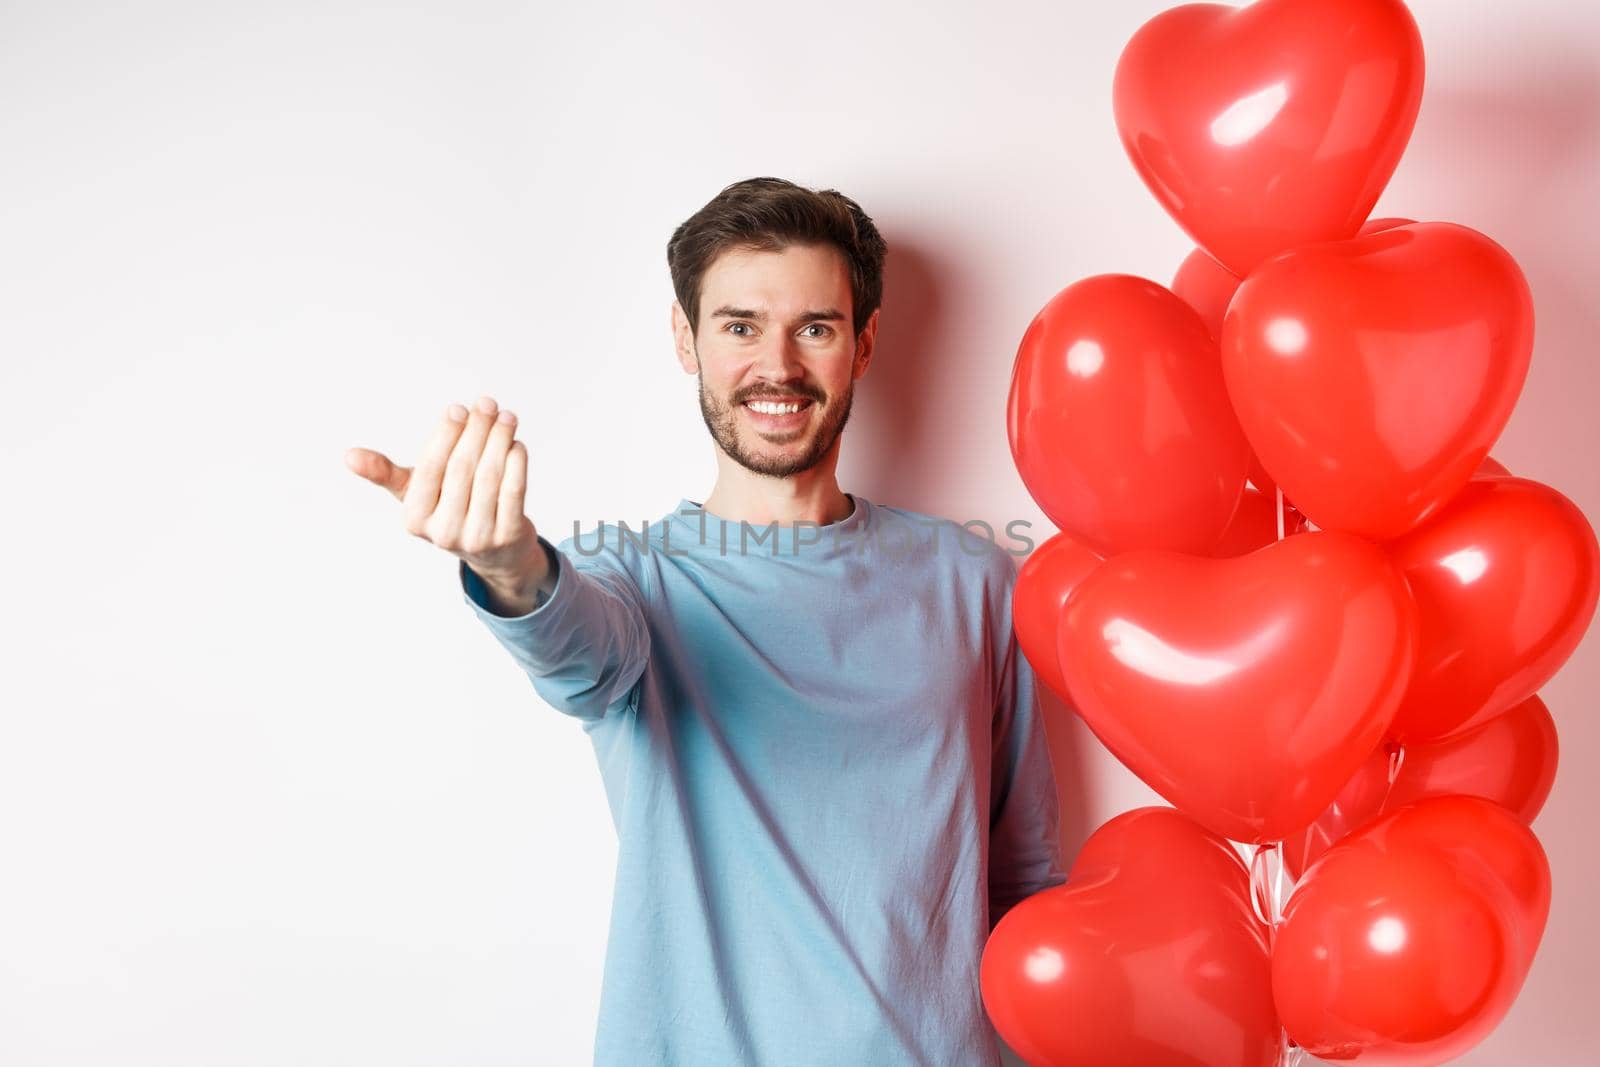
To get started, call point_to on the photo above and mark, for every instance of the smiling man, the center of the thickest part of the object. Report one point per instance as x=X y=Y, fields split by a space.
x=819 y=741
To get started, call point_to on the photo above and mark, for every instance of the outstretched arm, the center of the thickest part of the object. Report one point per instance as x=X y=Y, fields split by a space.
x=579 y=632
x=584 y=647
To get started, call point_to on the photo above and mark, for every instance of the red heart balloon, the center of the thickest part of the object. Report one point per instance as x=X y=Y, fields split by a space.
x=1263 y=127
x=1246 y=691
x=1475 y=832
x=1208 y=286
x=1119 y=422
x=1407 y=942
x=1511 y=760
x=1506 y=579
x=1372 y=375
x=1149 y=954
x=1047 y=577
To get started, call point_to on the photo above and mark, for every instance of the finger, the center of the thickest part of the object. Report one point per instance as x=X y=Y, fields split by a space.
x=479 y=527
x=455 y=492
x=422 y=495
x=508 y=513
x=379 y=469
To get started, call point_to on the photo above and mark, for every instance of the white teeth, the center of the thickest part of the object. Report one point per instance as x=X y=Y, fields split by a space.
x=769 y=408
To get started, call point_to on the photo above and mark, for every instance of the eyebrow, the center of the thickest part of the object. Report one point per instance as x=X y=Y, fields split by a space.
x=821 y=315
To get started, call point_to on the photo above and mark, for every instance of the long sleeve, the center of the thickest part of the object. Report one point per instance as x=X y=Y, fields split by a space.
x=585 y=647
x=1024 y=829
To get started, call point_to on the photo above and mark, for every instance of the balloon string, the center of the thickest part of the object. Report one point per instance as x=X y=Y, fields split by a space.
x=1277 y=889
x=1266 y=884
x=1397 y=760
x=1258 y=898
x=1289 y=1054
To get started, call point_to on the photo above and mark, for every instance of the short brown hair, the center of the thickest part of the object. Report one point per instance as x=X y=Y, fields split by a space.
x=770 y=214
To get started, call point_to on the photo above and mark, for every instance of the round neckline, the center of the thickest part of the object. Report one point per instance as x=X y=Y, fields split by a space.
x=857 y=507
x=711 y=530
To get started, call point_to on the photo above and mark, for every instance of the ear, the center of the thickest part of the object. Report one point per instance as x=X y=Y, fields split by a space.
x=864 y=344
x=683 y=340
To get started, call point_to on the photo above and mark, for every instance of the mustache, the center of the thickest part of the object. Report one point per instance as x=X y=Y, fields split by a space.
x=778 y=397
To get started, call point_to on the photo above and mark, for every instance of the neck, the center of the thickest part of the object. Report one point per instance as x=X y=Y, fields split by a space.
x=811 y=496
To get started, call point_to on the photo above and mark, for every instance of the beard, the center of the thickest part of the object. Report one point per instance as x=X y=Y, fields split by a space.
x=722 y=419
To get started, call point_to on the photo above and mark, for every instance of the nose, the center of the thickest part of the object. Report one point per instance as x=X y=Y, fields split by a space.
x=778 y=361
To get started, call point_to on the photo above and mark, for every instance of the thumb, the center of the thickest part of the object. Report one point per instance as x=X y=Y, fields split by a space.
x=378 y=469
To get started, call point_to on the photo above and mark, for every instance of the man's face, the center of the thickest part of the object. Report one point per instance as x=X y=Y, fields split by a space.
x=775 y=328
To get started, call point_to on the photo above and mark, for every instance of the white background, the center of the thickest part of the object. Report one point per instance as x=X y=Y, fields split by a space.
x=268 y=793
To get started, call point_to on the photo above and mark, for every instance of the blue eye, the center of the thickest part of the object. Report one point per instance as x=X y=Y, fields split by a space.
x=819 y=326
x=732 y=325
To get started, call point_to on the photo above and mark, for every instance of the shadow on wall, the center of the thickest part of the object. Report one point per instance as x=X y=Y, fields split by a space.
x=1523 y=157
x=892 y=419
x=930 y=434
x=1520 y=158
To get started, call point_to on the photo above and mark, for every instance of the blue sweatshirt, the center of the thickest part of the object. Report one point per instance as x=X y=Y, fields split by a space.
x=822 y=752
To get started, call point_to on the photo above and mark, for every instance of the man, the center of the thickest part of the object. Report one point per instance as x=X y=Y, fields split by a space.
x=821 y=746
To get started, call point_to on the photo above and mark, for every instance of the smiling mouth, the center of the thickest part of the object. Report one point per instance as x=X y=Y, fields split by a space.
x=777 y=407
